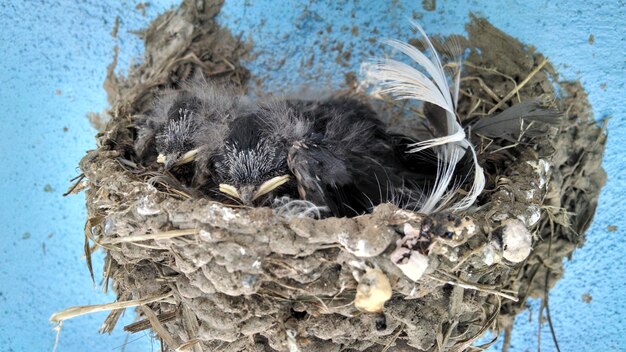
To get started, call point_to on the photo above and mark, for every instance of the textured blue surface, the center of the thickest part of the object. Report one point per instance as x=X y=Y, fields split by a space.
x=53 y=58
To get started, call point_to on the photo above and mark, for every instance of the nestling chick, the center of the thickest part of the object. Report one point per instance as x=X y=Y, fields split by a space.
x=333 y=153
x=251 y=162
x=175 y=141
x=176 y=130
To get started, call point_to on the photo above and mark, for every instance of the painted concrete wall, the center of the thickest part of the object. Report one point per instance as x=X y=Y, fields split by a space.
x=53 y=58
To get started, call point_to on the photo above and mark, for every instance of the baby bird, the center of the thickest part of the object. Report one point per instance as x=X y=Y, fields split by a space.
x=333 y=153
x=175 y=140
x=181 y=121
x=252 y=162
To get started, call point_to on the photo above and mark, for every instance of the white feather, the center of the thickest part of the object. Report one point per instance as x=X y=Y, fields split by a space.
x=435 y=71
x=288 y=208
x=405 y=82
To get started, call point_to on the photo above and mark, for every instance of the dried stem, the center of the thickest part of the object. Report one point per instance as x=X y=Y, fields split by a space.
x=73 y=312
x=153 y=236
x=518 y=87
x=472 y=286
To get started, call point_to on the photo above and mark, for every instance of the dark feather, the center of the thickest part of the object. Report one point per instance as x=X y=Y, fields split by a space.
x=508 y=123
x=437 y=121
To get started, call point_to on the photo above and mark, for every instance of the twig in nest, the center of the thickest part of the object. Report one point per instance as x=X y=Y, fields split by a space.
x=473 y=108
x=395 y=337
x=466 y=344
x=229 y=64
x=127 y=163
x=89 y=235
x=188 y=345
x=518 y=87
x=484 y=86
x=158 y=328
x=507 y=338
x=171 y=186
x=111 y=320
x=75 y=187
x=467 y=256
x=470 y=94
x=107 y=274
x=533 y=270
x=494 y=71
x=89 y=225
x=153 y=236
x=468 y=285
x=545 y=303
x=87 y=250
x=484 y=147
x=519 y=138
x=73 y=312
x=147 y=246
x=194 y=59
x=441 y=342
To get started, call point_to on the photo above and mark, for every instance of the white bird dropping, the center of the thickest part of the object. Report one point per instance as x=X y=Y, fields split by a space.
x=516 y=241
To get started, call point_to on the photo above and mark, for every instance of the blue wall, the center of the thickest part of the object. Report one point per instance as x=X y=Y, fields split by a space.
x=53 y=59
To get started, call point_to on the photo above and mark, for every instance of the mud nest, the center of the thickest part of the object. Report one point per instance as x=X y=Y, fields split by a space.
x=208 y=277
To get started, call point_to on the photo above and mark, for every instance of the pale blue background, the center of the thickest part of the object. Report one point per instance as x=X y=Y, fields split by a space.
x=53 y=58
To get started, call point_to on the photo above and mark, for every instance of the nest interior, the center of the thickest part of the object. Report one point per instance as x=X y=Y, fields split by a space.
x=207 y=277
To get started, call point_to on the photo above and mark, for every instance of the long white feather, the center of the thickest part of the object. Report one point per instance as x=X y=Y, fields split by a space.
x=405 y=82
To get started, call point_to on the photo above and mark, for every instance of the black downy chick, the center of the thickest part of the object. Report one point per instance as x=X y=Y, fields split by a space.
x=175 y=142
x=168 y=130
x=251 y=162
x=181 y=122
x=334 y=153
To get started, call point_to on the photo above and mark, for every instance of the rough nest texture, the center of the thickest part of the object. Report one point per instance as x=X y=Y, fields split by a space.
x=230 y=279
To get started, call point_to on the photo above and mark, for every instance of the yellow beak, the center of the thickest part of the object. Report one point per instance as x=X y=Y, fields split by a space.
x=270 y=185
x=229 y=190
x=186 y=158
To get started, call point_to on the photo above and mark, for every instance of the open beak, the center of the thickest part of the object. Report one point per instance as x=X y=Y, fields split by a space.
x=270 y=185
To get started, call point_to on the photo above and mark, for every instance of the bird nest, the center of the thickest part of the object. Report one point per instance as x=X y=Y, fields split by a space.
x=206 y=276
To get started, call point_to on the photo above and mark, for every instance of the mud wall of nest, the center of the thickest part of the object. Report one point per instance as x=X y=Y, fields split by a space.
x=208 y=277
